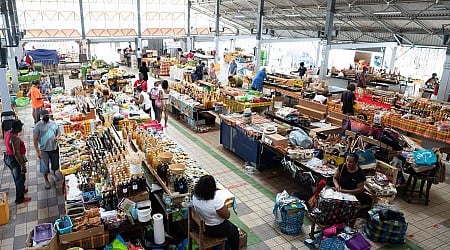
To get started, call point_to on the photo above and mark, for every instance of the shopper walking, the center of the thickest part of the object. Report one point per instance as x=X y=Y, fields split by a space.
x=15 y=159
x=139 y=57
x=45 y=139
x=143 y=100
x=212 y=72
x=348 y=100
x=157 y=67
x=165 y=100
x=232 y=70
x=214 y=210
x=144 y=70
x=37 y=100
x=257 y=83
x=155 y=97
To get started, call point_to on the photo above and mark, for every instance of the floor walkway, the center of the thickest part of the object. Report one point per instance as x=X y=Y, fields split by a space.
x=429 y=226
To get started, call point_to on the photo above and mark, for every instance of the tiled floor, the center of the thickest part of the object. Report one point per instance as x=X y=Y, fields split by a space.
x=429 y=226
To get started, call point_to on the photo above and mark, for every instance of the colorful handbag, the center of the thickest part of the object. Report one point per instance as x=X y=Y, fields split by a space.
x=388 y=230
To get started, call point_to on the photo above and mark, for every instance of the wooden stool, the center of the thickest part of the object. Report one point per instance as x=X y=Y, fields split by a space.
x=203 y=241
x=420 y=195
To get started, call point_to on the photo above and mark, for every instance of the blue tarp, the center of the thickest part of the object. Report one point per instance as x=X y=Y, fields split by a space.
x=44 y=56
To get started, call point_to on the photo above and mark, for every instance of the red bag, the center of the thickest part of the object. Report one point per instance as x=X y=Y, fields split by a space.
x=359 y=125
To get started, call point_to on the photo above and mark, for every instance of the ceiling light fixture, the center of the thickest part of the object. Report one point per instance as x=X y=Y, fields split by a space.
x=292 y=15
x=239 y=16
x=387 y=13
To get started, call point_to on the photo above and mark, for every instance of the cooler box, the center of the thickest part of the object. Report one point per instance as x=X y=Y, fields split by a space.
x=4 y=209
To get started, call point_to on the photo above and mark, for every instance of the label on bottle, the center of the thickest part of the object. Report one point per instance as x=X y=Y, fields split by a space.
x=135 y=187
x=125 y=190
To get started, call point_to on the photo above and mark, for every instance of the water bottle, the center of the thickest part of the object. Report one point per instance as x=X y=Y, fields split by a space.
x=249 y=169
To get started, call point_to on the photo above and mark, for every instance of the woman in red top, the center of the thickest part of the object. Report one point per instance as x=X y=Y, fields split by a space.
x=141 y=82
x=15 y=159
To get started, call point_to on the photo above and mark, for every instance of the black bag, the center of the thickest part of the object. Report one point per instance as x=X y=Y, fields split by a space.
x=391 y=138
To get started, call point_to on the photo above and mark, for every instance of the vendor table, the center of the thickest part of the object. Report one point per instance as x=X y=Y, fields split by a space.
x=189 y=110
x=237 y=106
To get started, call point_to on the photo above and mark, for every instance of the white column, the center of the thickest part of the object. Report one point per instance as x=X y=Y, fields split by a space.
x=4 y=91
x=393 y=56
x=444 y=87
x=13 y=69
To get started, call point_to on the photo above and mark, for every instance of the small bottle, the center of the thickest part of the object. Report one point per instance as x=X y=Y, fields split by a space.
x=124 y=190
x=135 y=185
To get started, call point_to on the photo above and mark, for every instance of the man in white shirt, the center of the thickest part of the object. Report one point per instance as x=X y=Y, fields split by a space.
x=139 y=57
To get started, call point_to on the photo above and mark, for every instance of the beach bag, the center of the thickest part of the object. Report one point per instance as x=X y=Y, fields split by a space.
x=154 y=94
x=333 y=207
x=289 y=212
x=425 y=157
x=365 y=156
x=385 y=230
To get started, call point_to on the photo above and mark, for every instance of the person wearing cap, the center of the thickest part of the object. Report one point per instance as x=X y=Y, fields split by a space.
x=45 y=140
x=15 y=159
x=37 y=100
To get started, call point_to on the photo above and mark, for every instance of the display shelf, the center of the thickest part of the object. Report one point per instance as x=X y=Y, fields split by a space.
x=155 y=175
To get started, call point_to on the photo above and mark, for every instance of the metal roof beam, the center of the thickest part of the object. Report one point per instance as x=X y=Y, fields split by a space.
x=362 y=45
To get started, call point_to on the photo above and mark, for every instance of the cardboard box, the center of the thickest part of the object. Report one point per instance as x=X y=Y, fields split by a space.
x=4 y=209
x=52 y=245
x=74 y=236
x=275 y=140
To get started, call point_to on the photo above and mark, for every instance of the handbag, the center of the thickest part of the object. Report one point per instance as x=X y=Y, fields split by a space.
x=346 y=124
x=360 y=125
x=391 y=138
x=365 y=156
x=358 y=242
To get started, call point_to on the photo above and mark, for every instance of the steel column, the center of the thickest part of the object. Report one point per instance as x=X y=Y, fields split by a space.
x=216 y=38
x=328 y=32
x=139 y=25
x=393 y=58
x=444 y=86
x=259 y=34
x=83 y=30
x=188 y=31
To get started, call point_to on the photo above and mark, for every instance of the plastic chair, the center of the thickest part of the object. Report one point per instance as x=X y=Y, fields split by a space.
x=6 y=118
x=203 y=241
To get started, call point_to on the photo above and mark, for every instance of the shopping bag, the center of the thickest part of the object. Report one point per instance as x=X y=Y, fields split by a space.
x=289 y=212
x=359 y=125
x=380 y=229
x=358 y=242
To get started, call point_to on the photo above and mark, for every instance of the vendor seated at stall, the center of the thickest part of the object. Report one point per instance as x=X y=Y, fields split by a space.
x=214 y=211
x=257 y=83
x=142 y=99
x=350 y=179
x=235 y=81
x=199 y=69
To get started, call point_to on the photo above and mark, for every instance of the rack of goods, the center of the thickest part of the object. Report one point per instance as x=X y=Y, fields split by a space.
x=238 y=99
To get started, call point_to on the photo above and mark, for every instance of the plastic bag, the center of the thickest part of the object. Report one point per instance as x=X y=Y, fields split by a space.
x=298 y=137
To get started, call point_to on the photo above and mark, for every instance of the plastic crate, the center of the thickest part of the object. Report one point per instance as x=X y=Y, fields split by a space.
x=43 y=232
x=64 y=225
